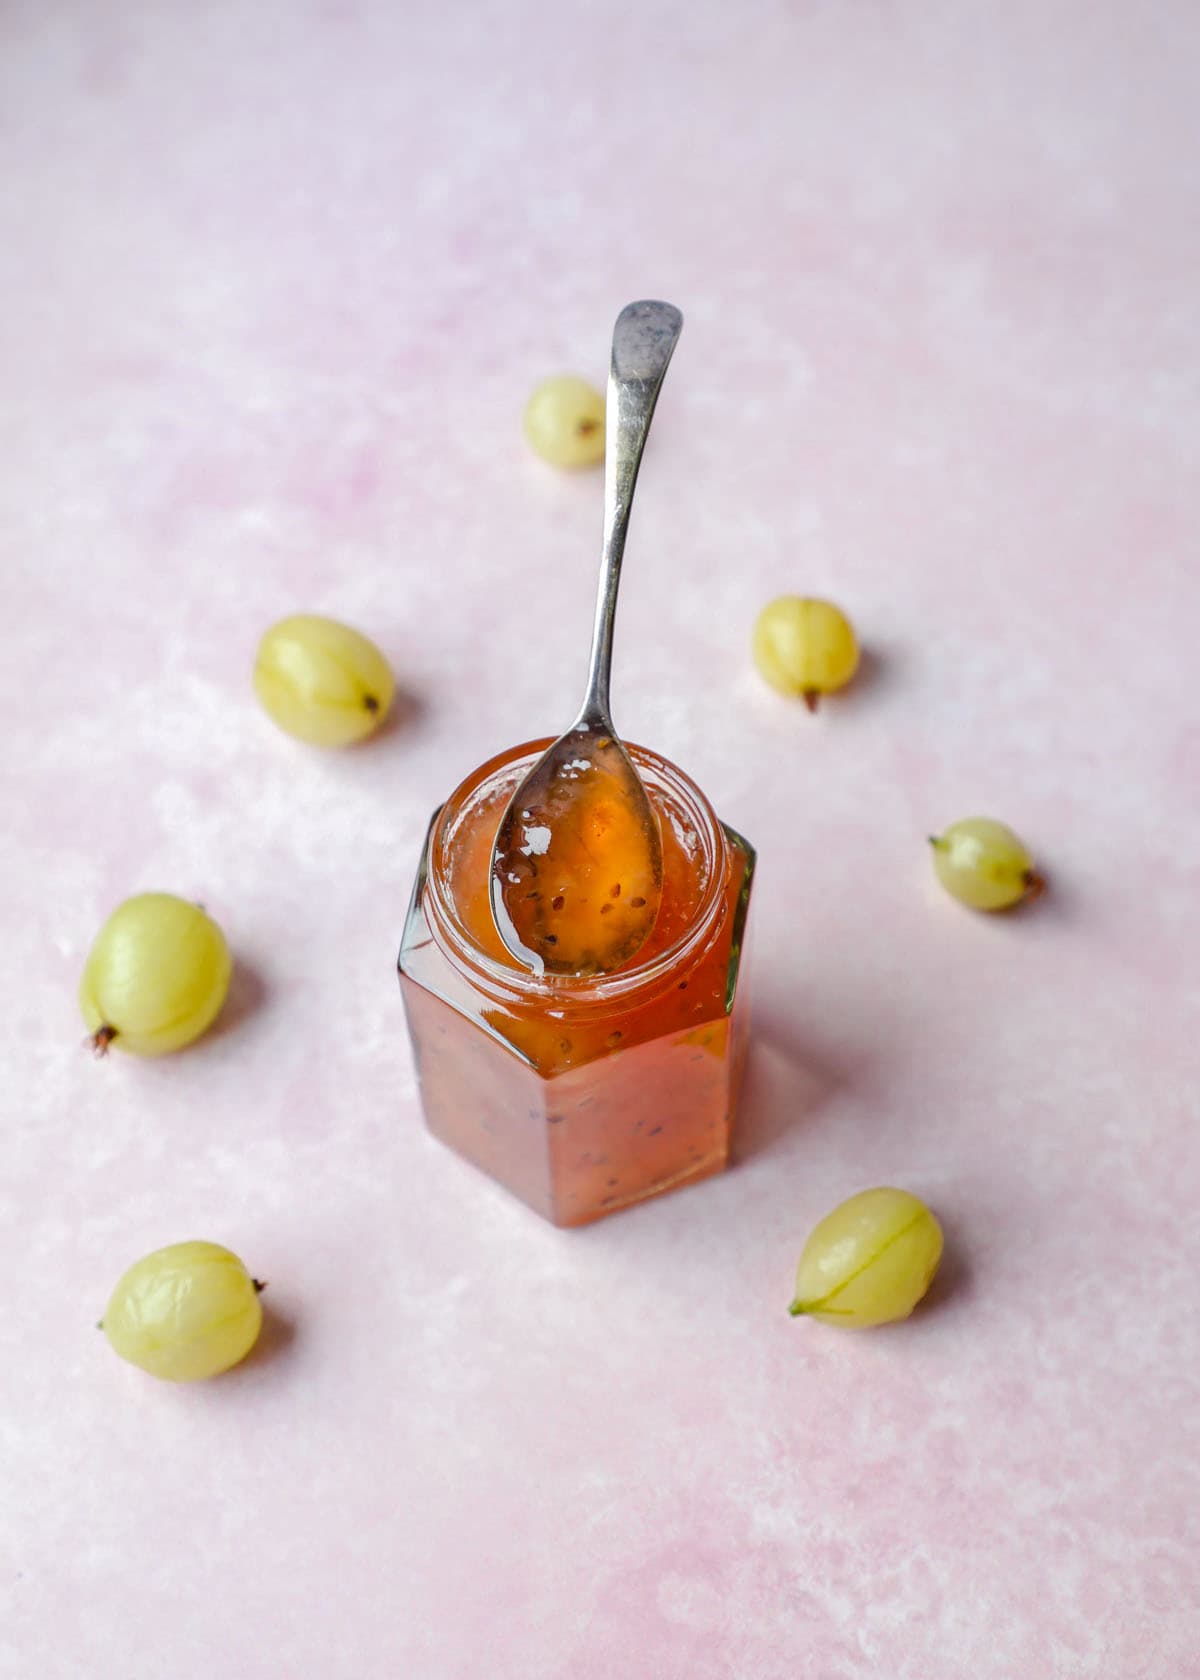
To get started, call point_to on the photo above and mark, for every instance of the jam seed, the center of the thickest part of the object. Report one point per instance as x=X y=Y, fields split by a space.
x=556 y=903
x=636 y=903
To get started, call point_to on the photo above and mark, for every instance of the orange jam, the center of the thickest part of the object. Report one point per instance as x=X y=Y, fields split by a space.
x=580 y=1094
x=577 y=872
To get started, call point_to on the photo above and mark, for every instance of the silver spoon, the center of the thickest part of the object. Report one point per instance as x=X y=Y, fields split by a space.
x=577 y=865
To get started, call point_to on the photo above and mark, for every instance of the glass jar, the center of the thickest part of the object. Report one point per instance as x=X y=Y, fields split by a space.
x=581 y=1096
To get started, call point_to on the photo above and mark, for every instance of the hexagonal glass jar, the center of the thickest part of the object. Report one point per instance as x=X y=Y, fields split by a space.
x=581 y=1096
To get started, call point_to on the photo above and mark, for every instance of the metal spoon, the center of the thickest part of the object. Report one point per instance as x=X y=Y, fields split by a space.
x=577 y=864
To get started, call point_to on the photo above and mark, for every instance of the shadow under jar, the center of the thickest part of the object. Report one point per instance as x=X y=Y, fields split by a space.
x=581 y=1096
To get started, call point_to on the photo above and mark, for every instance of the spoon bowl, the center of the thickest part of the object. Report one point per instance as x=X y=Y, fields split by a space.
x=577 y=864
x=579 y=859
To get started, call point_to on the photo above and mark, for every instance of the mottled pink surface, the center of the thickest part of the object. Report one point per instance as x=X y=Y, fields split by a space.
x=275 y=281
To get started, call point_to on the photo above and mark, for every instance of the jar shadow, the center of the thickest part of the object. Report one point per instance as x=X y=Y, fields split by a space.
x=785 y=1083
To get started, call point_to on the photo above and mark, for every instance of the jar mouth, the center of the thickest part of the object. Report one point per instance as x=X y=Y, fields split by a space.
x=507 y=983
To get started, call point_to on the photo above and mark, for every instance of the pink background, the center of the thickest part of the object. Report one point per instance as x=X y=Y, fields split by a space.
x=276 y=280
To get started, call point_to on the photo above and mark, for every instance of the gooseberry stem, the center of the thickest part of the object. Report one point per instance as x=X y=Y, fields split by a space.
x=101 y=1039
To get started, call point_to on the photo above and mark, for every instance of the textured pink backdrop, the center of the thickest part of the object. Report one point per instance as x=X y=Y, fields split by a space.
x=275 y=281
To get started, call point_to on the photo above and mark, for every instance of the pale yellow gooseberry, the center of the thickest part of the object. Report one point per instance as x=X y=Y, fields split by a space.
x=869 y=1261
x=564 y=422
x=156 y=976
x=805 y=647
x=982 y=863
x=322 y=681
x=185 y=1313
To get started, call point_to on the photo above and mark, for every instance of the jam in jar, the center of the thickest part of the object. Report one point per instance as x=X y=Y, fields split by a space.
x=580 y=1095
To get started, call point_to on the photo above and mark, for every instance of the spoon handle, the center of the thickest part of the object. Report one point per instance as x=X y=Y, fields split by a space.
x=643 y=339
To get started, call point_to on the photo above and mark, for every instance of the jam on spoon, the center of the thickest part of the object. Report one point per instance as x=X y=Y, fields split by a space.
x=577 y=863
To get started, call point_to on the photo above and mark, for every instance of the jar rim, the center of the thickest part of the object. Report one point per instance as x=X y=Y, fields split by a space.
x=559 y=992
